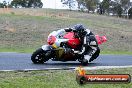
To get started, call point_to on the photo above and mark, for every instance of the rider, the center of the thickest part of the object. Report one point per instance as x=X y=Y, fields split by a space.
x=88 y=40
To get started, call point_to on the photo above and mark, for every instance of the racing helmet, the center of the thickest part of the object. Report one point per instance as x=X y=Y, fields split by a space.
x=79 y=28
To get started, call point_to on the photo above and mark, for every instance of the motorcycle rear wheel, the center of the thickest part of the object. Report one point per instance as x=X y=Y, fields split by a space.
x=38 y=57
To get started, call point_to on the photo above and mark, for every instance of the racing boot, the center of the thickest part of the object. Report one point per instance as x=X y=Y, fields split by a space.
x=87 y=57
x=86 y=60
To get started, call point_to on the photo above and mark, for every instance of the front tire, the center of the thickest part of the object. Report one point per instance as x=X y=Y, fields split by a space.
x=38 y=57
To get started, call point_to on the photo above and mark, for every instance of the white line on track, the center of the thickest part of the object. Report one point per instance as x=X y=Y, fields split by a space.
x=73 y=68
x=105 y=67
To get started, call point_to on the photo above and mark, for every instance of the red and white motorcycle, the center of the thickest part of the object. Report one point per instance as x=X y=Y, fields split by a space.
x=60 y=48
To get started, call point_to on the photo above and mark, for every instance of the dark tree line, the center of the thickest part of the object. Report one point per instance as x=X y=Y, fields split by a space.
x=4 y=4
x=23 y=3
x=90 y=5
x=82 y=4
x=104 y=7
x=117 y=6
x=69 y=3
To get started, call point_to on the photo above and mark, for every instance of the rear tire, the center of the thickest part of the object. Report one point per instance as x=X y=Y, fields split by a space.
x=38 y=57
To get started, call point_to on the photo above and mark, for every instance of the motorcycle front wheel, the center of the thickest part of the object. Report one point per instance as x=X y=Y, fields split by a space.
x=38 y=57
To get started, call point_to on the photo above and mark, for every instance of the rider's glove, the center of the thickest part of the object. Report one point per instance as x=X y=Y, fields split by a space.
x=68 y=29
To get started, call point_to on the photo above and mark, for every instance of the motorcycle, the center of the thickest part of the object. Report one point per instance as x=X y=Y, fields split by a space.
x=60 y=48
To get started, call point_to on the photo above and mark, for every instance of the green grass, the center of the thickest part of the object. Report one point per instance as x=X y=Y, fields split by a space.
x=17 y=50
x=116 y=52
x=56 y=79
x=23 y=31
x=27 y=50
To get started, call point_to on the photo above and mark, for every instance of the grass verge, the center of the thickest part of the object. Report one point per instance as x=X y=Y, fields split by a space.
x=24 y=32
x=26 y=50
x=56 y=79
x=17 y=50
x=116 y=52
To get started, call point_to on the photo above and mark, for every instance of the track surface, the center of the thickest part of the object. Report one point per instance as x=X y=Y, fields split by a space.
x=21 y=61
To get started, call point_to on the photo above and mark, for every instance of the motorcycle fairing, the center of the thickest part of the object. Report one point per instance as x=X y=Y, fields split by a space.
x=46 y=47
x=51 y=39
x=72 y=42
x=58 y=42
x=57 y=37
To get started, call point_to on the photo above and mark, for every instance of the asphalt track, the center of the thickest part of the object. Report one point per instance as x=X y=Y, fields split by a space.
x=21 y=61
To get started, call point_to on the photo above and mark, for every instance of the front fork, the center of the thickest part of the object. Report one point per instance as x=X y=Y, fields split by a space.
x=49 y=51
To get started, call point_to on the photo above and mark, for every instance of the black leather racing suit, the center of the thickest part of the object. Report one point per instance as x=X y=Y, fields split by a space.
x=89 y=44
